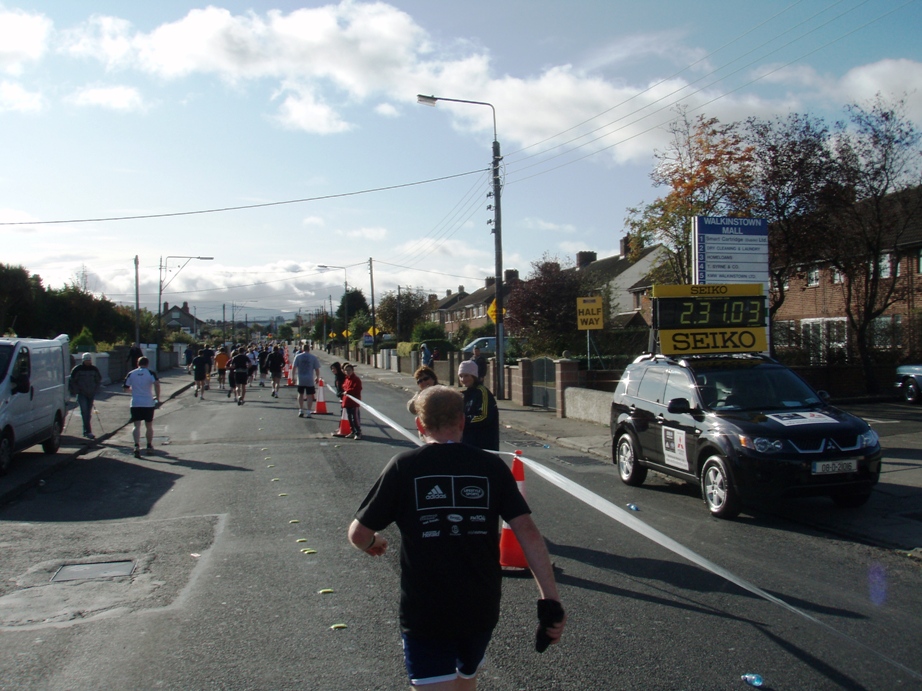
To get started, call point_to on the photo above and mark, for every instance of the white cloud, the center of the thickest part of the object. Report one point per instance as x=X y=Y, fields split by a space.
x=387 y=110
x=301 y=110
x=23 y=38
x=539 y=224
x=891 y=78
x=107 y=39
x=365 y=234
x=120 y=98
x=315 y=221
x=14 y=97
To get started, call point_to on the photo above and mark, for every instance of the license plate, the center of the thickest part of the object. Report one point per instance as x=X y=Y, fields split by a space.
x=832 y=467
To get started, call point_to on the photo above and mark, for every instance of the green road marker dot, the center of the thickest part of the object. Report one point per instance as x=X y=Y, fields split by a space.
x=308 y=550
x=301 y=539
x=283 y=494
x=338 y=626
x=325 y=591
x=294 y=520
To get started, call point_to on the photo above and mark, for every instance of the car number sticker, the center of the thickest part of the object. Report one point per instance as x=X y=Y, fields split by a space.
x=793 y=419
x=674 y=449
x=831 y=467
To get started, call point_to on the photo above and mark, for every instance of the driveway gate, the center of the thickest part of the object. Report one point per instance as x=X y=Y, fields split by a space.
x=544 y=383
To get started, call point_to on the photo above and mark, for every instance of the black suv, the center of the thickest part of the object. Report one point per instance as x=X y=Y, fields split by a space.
x=743 y=427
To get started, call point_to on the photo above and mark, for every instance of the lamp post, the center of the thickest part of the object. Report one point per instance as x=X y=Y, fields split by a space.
x=164 y=264
x=497 y=240
x=327 y=267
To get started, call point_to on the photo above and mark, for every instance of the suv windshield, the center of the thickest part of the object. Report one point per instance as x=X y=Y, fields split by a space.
x=748 y=386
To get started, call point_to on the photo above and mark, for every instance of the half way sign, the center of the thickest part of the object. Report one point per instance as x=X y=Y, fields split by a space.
x=589 y=313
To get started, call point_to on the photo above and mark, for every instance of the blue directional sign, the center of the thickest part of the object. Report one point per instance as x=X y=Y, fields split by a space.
x=730 y=250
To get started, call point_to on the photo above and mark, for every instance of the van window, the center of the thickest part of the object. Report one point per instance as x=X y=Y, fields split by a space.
x=6 y=354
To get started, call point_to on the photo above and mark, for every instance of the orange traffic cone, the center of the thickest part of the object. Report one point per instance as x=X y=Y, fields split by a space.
x=290 y=380
x=511 y=556
x=321 y=401
x=345 y=429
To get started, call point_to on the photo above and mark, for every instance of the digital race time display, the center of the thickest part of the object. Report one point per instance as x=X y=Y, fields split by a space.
x=710 y=312
x=709 y=319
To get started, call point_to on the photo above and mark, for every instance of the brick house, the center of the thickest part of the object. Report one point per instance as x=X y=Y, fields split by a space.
x=813 y=314
x=180 y=319
x=472 y=308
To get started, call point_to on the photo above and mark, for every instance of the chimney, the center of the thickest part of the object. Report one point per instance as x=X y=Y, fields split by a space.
x=185 y=307
x=584 y=259
x=511 y=275
x=460 y=289
x=490 y=282
x=433 y=297
x=627 y=243
x=166 y=307
x=448 y=293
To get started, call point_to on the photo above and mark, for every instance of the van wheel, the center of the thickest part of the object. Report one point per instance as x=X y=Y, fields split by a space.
x=53 y=443
x=717 y=489
x=625 y=456
x=6 y=453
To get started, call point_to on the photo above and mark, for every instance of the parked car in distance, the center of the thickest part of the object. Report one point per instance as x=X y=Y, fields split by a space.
x=744 y=428
x=909 y=382
x=487 y=345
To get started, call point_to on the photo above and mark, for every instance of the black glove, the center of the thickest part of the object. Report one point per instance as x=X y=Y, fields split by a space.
x=550 y=612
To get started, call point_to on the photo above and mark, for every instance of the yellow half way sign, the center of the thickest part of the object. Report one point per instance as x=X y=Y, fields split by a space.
x=589 y=313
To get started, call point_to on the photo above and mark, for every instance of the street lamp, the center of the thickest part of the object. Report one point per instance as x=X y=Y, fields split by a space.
x=327 y=267
x=497 y=238
x=163 y=267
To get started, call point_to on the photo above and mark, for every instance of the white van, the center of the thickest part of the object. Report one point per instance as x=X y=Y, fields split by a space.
x=33 y=394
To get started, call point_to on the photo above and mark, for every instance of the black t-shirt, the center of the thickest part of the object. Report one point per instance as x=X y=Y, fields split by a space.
x=481 y=418
x=447 y=500
x=199 y=367
x=275 y=361
x=241 y=363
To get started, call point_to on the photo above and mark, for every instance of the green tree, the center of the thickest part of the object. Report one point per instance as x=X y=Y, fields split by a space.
x=874 y=204
x=708 y=170
x=285 y=332
x=427 y=331
x=542 y=309
x=17 y=300
x=83 y=341
x=408 y=311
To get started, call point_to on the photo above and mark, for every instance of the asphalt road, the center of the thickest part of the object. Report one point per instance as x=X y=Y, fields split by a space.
x=222 y=596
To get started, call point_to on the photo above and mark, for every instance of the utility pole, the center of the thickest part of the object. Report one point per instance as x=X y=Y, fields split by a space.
x=397 y=335
x=374 y=329
x=137 y=303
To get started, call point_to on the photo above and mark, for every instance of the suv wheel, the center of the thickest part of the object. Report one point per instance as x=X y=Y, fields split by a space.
x=717 y=489
x=625 y=455
x=910 y=391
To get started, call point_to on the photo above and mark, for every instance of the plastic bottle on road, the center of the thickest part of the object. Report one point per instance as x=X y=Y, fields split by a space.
x=752 y=679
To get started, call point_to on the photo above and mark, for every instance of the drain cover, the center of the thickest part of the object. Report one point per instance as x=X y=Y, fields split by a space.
x=106 y=569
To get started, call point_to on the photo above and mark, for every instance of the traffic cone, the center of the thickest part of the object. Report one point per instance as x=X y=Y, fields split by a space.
x=511 y=556
x=289 y=379
x=345 y=429
x=321 y=401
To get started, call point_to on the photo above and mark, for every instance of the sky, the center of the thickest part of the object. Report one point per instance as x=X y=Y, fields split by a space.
x=283 y=137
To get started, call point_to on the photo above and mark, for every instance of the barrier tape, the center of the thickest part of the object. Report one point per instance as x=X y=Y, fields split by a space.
x=628 y=520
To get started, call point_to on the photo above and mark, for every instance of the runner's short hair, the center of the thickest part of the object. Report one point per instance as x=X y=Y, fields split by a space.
x=439 y=407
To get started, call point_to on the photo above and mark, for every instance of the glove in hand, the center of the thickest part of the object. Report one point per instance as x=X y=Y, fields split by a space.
x=550 y=612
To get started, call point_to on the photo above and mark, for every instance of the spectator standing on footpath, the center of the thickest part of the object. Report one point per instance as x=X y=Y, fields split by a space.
x=306 y=367
x=481 y=361
x=275 y=363
x=134 y=354
x=145 y=398
x=352 y=386
x=199 y=367
x=85 y=380
x=451 y=579
x=425 y=377
x=426 y=354
x=339 y=378
x=481 y=415
x=190 y=354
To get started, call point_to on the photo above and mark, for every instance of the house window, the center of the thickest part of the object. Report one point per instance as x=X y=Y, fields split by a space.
x=813 y=277
x=887 y=332
x=824 y=340
x=784 y=334
x=884 y=266
x=638 y=296
x=837 y=277
x=919 y=263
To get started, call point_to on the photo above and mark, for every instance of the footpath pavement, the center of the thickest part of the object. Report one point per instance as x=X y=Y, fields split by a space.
x=892 y=518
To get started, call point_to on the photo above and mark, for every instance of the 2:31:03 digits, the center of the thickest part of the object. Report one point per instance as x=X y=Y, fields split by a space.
x=742 y=311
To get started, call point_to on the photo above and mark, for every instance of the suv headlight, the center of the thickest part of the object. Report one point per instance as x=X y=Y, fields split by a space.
x=761 y=444
x=869 y=439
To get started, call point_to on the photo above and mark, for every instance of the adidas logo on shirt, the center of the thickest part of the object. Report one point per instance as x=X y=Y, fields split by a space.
x=436 y=493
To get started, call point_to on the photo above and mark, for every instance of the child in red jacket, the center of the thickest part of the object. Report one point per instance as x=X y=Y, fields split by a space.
x=352 y=387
